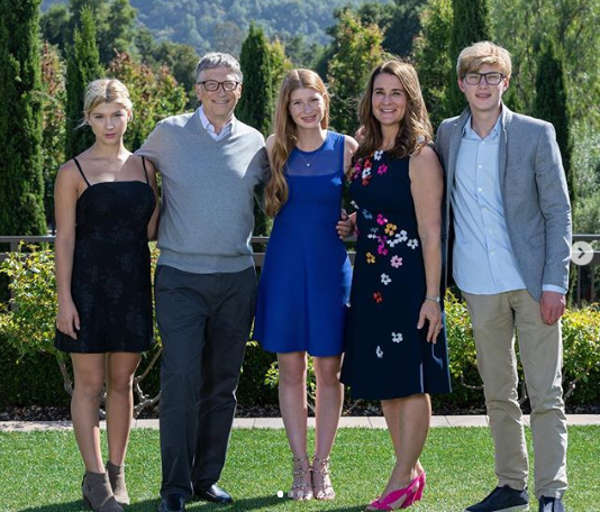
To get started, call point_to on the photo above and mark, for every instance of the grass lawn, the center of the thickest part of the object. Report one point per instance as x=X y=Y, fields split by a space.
x=42 y=471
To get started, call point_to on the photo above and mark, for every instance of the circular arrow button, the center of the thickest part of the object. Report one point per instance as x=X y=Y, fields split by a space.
x=582 y=253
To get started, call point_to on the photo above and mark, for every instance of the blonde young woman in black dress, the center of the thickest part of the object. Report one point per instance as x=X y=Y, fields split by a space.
x=106 y=210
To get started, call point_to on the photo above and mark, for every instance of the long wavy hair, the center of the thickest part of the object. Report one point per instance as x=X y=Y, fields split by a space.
x=285 y=138
x=415 y=128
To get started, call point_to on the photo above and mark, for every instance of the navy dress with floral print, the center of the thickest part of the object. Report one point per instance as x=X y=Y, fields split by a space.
x=386 y=355
x=110 y=281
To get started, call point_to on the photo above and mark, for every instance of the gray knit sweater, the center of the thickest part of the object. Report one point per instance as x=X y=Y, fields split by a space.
x=206 y=218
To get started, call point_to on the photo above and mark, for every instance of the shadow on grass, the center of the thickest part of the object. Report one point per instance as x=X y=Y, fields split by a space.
x=151 y=505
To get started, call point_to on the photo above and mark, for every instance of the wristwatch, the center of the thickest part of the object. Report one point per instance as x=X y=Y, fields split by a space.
x=433 y=299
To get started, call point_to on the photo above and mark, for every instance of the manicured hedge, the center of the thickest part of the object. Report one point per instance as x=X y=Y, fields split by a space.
x=35 y=379
x=30 y=374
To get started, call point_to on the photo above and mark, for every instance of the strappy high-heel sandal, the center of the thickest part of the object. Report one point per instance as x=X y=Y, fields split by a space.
x=321 y=479
x=302 y=483
x=391 y=501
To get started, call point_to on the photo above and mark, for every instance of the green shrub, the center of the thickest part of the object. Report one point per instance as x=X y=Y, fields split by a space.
x=29 y=359
x=29 y=324
x=581 y=353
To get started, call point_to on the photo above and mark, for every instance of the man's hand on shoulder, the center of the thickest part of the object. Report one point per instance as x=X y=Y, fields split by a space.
x=552 y=306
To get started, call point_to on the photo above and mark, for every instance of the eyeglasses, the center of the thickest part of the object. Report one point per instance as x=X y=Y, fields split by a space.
x=491 y=78
x=213 y=85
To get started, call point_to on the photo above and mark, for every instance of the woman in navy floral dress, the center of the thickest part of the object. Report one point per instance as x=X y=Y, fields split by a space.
x=395 y=341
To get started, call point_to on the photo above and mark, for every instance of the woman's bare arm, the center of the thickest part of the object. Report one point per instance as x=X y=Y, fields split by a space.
x=66 y=193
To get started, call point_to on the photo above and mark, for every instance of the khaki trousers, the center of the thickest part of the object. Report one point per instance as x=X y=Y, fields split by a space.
x=494 y=319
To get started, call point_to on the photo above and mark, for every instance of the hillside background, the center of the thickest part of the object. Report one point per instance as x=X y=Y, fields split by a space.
x=224 y=23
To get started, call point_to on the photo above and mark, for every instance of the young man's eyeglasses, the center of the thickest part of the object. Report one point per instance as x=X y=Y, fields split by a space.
x=491 y=78
x=213 y=85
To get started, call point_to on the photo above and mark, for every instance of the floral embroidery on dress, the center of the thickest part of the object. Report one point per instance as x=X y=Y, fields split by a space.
x=382 y=234
x=413 y=243
x=390 y=228
x=381 y=245
x=397 y=337
x=379 y=352
x=366 y=172
x=396 y=261
x=394 y=241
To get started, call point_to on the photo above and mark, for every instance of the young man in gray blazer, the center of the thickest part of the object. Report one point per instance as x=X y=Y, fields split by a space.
x=508 y=208
x=205 y=282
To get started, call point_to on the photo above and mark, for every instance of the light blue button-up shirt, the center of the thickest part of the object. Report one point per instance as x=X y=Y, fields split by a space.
x=208 y=126
x=483 y=258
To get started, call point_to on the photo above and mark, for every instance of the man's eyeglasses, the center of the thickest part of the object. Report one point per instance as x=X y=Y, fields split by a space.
x=491 y=78
x=213 y=85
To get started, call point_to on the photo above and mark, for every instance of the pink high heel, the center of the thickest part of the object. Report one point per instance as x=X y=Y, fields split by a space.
x=419 y=492
x=387 y=502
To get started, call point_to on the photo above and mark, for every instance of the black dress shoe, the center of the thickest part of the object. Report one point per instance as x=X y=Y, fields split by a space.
x=551 y=504
x=214 y=493
x=172 y=503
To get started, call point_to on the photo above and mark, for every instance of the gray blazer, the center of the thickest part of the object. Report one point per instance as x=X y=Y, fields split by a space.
x=534 y=194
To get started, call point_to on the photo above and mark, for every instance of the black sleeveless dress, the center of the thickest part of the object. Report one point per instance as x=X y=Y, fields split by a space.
x=110 y=281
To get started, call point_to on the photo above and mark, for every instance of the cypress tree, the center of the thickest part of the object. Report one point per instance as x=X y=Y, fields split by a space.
x=551 y=105
x=83 y=66
x=432 y=59
x=21 y=181
x=255 y=106
x=470 y=24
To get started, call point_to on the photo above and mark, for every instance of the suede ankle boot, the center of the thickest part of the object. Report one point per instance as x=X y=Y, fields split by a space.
x=97 y=493
x=116 y=476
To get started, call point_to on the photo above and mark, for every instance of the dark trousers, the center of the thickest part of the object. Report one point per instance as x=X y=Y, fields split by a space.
x=204 y=322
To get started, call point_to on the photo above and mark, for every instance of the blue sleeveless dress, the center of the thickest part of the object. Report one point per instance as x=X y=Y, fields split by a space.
x=305 y=281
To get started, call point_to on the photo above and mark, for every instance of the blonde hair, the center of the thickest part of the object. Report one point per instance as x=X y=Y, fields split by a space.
x=104 y=90
x=276 y=190
x=473 y=57
x=415 y=128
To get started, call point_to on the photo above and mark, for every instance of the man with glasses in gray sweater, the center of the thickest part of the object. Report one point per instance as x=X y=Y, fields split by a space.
x=205 y=281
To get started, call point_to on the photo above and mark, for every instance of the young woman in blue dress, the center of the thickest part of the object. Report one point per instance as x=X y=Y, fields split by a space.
x=305 y=280
x=395 y=339
x=106 y=210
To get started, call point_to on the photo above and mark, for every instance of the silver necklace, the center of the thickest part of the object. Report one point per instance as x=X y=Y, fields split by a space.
x=306 y=162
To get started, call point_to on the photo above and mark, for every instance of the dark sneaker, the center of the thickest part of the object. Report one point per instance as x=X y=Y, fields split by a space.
x=551 y=505
x=502 y=499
